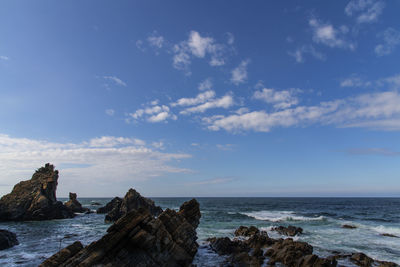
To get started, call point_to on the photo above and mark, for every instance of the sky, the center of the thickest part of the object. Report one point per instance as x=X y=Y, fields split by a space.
x=202 y=98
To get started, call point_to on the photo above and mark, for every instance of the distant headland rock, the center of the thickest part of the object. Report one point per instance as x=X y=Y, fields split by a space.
x=118 y=207
x=74 y=205
x=139 y=239
x=35 y=199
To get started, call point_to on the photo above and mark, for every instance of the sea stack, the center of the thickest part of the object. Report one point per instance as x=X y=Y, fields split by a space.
x=74 y=205
x=118 y=207
x=34 y=199
x=139 y=239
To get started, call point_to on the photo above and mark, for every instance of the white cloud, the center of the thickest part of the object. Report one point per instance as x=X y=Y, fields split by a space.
x=199 y=47
x=110 y=112
x=239 y=74
x=153 y=113
x=158 y=145
x=230 y=38
x=300 y=52
x=391 y=39
x=155 y=40
x=223 y=102
x=105 y=160
x=367 y=10
x=354 y=81
x=326 y=34
x=374 y=110
x=116 y=80
x=4 y=58
x=139 y=45
x=205 y=85
x=280 y=99
x=200 y=98
x=225 y=147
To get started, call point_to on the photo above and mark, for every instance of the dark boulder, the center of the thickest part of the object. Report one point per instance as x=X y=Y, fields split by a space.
x=74 y=205
x=361 y=259
x=315 y=261
x=117 y=208
x=288 y=251
x=348 y=226
x=7 y=239
x=139 y=239
x=288 y=231
x=34 y=199
x=246 y=231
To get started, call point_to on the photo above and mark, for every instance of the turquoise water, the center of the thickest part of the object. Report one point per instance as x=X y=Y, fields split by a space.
x=321 y=219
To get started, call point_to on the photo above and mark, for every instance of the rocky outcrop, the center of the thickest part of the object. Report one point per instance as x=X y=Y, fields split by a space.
x=132 y=201
x=348 y=226
x=74 y=205
x=34 y=199
x=7 y=239
x=140 y=239
x=246 y=231
x=288 y=231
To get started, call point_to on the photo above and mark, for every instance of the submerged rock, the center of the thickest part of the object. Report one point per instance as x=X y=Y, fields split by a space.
x=132 y=201
x=74 y=205
x=348 y=226
x=7 y=239
x=140 y=239
x=288 y=231
x=34 y=199
x=390 y=235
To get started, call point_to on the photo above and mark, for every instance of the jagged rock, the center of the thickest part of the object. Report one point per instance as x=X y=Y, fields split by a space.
x=361 y=259
x=288 y=231
x=115 y=203
x=139 y=239
x=74 y=205
x=63 y=255
x=118 y=207
x=315 y=261
x=288 y=252
x=246 y=231
x=348 y=226
x=225 y=246
x=34 y=199
x=7 y=239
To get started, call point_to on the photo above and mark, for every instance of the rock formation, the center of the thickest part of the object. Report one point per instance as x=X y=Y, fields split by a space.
x=34 y=199
x=288 y=231
x=7 y=239
x=74 y=205
x=348 y=226
x=132 y=201
x=246 y=231
x=139 y=239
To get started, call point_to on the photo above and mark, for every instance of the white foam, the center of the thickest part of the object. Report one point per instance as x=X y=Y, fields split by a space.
x=279 y=216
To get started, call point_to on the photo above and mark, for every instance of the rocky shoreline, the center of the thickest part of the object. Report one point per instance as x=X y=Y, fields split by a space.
x=142 y=234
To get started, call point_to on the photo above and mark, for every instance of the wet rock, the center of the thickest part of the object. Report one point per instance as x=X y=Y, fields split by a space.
x=94 y=203
x=361 y=259
x=348 y=226
x=7 y=239
x=118 y=207
x=225 y=246
x=390 y=235
x=34 y=199
x=140 y=239
x=315 y=261
x=288 y=251
x=74 y=205
x=288 y=231
x=259 y=240
x=246 y=231
x=63 y=255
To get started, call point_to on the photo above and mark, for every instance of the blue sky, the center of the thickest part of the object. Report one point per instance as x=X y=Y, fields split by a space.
x=202 y=98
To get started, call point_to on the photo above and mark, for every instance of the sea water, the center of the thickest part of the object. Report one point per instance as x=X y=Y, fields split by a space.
x=321 y=219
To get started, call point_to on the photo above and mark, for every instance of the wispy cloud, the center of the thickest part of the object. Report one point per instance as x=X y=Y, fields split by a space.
x=300 y=53
x=239 y=74
x=110 y=112
x=155 y=40
x=199 y=99
x=367 y=11
x=280 y=99
x=372 y=151
x=327 y=34
x=226 y=147
x=205 y=85
x=4 y=58
x=355 y=81
x=106 y=159
x=391 y=39
x=116 y=80
x=225 y=101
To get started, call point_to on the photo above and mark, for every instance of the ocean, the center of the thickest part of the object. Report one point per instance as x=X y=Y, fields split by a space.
x=321 y=219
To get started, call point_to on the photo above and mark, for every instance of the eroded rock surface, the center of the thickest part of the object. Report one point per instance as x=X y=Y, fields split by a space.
x=140 y=239
x=7 y=239
x=74 y=205
x=288 y=231
x=34 y=199
x=118 y=207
